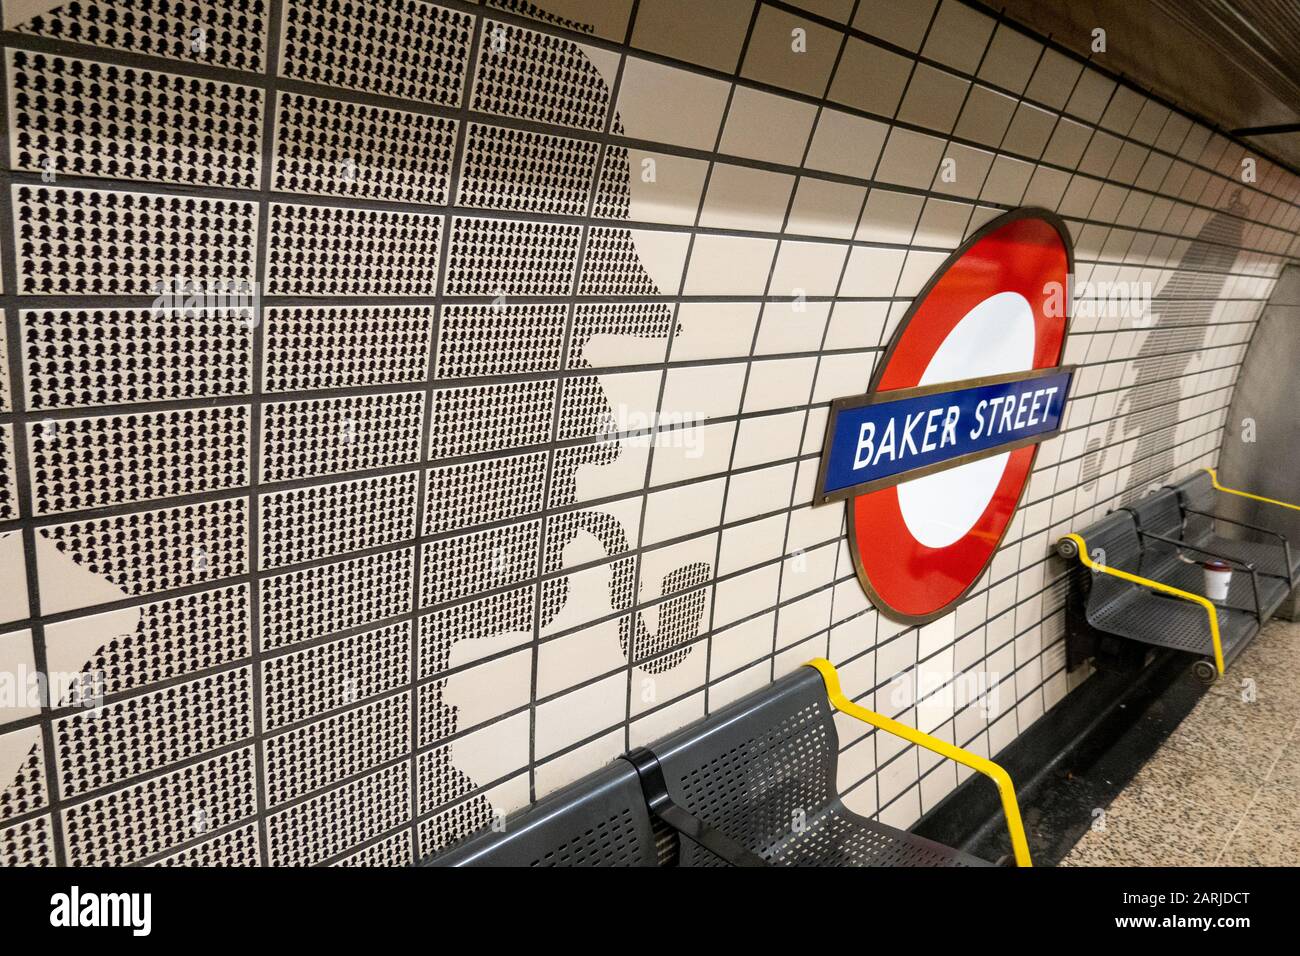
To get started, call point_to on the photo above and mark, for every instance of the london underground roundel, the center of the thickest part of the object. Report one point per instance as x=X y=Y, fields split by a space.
x=932 y=462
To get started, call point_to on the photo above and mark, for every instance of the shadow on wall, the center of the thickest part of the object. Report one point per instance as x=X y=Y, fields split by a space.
x=1180 y=318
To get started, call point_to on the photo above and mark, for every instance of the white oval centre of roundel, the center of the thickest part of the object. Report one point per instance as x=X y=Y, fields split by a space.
x=995 y=337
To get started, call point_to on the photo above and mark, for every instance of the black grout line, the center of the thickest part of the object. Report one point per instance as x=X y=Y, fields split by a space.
x=1006 y=679
x=850 y=30
x=1147 y=93
x=454 y=172
x=406 y=544
x=544 y=538
x=872 y=734
x=501 y=214
x=970 y=225
x=1020 y=101
x=97 y=304
x=232 y=75
x=888 y=329
x=638 y=561
x=1056 y=124
x=372 y=204
x=146 y=506
x=731 y=461
x=403 y=389
x=875 y=689
x=256 y=401
x=24 y=497
x=345 y=202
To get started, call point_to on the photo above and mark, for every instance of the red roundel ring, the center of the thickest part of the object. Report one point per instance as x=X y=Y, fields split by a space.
x=920 y=546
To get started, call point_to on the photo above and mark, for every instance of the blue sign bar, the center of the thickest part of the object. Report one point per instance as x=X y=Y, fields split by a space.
x=887 y=438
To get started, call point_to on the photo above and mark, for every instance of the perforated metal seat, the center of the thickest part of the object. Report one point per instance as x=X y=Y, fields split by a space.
x=763 y=770
x=1198 y=499
x=1170 y=622
x=1188 y=576
x=750 y=785
x=601 y=820
x=1130 y=610
x=1160 y=514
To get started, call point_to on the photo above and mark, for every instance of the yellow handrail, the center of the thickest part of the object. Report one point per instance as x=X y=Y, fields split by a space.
x=987 y=767
x=1158 y=586
x=1246 y=494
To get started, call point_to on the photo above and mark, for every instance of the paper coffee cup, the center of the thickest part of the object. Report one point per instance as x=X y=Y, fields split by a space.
x=1218 y=577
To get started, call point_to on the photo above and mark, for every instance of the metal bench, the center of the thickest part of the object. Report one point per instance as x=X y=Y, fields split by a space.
x=1146 y=583
x=1120 y=599
x=753 y=784
x=1174 y=557
x=1198 y=498
x=599 y=821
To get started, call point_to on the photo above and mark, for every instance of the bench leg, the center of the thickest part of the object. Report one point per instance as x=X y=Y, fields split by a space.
x=1289 y=609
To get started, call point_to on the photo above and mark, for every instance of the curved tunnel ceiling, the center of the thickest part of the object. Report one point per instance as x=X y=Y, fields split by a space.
x=1233 y=62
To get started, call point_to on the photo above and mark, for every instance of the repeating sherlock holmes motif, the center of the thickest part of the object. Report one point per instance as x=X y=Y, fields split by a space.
x=406 y=408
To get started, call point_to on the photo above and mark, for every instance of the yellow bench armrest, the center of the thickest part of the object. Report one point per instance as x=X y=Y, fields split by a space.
x=987 y=767
x=1246 y=494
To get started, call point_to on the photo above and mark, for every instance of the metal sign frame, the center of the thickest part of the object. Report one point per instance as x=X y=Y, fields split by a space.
x=877 y=398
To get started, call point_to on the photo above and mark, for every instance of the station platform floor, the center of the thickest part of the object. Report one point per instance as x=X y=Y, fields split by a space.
x=1224 y=788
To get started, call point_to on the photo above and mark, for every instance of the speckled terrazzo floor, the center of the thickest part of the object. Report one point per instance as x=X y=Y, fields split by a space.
x=1224 y=789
